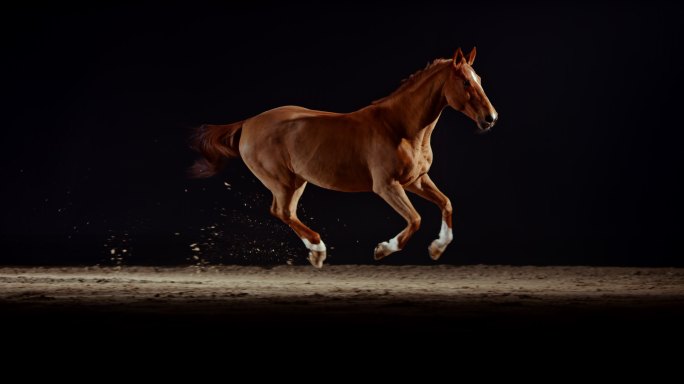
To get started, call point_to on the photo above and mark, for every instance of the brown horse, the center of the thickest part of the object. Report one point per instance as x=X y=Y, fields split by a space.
x=384 y=148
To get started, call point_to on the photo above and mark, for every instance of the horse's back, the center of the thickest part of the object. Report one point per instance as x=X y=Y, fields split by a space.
x=291 y=112
x=325 y=148
x=289 y=120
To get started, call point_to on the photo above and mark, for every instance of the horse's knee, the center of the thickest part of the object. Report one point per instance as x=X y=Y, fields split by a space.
x=414 y=223
x=447 y=208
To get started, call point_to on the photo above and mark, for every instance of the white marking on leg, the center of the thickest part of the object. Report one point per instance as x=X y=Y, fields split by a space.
x=387 y=247
x=320 y=247
x=445 y=234
x=438 y=246
x=393 y=244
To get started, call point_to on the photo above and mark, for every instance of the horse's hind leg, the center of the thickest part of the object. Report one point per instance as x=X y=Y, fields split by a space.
x=395 y=196
x=284 y=207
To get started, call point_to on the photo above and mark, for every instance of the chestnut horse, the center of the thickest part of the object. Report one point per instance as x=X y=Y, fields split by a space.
x=384 y=148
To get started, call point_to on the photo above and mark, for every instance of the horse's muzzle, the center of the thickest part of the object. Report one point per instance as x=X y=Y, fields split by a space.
x=487 y=122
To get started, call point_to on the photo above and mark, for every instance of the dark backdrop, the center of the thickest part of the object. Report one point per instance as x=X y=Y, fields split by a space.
x=583 y=167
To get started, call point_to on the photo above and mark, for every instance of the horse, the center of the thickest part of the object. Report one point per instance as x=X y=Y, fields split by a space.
x=383 y=147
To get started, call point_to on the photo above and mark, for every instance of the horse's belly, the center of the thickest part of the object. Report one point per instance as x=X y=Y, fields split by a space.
x=349 y=177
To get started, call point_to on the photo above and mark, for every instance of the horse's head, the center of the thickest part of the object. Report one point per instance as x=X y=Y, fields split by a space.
x=464 y=92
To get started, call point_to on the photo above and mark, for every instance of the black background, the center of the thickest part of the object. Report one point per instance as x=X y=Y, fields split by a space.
x=583 y=167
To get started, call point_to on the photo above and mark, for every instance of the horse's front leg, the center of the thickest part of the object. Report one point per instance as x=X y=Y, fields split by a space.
x=425 y=188
x=393 y=193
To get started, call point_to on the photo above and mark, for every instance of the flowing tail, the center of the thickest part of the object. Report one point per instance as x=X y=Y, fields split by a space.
x=215 y=143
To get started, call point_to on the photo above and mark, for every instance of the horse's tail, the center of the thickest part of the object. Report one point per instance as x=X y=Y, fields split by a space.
x=215 y=143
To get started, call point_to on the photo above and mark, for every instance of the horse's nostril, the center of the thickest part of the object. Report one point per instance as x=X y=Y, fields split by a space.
x=490 y=118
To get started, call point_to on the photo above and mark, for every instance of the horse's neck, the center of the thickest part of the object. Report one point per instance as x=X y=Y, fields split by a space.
x=416 y=110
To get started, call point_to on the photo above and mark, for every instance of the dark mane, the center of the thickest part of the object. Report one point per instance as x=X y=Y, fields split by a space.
x=414 y=78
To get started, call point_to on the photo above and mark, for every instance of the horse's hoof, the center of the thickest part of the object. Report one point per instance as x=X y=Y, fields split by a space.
x=436 y=249
x=316 y=258
x=377 y=254
x=383 y=249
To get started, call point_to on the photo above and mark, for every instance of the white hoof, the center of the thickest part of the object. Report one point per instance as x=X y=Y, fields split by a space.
x=316 y=253
x=316 y=258
x=436 y=249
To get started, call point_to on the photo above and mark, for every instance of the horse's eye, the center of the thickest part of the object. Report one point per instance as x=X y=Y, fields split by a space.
x=466 y=84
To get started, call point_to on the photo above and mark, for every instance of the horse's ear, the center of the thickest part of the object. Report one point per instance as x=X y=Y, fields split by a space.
x=458 y=57
x=471 y=56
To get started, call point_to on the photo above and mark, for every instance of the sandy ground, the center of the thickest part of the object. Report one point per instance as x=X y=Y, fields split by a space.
x=416 y=299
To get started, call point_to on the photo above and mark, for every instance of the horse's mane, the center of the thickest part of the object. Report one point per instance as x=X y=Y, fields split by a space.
x=414 y=78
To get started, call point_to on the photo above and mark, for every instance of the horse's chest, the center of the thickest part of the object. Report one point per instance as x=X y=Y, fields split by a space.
x=412 y=161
